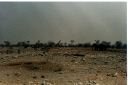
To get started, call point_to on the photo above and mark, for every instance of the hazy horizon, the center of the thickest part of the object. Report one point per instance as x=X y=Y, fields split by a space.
x=54 y=21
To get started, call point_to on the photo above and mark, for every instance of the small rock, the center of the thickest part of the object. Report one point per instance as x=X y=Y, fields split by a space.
x=17 y=74
x=112 y=75
x=34 y=77
x=42 y=84
x=42 y=76
x=15 y=56
x=7 y=74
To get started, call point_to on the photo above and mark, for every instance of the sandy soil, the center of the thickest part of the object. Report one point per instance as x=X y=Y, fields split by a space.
x=62 y=66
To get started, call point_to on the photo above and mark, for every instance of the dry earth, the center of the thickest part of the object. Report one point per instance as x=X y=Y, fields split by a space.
x=62 y=66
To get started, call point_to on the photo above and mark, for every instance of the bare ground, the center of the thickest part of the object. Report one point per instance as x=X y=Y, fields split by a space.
x=63 y=66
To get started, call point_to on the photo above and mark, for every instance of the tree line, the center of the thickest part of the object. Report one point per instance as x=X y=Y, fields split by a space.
x=97 y=45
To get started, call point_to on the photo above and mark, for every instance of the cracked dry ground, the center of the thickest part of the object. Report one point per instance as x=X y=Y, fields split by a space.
x=63 y=66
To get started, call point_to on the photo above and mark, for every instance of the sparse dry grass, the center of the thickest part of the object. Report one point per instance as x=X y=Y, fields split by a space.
x=63 y=66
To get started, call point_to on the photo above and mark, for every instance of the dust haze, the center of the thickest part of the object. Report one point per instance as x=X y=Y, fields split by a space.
x=82 y=22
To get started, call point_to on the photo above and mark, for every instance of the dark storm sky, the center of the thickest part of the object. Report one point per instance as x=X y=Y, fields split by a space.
x=82 y=22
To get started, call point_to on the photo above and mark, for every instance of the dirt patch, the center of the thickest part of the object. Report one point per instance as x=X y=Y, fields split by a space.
x=37 y=66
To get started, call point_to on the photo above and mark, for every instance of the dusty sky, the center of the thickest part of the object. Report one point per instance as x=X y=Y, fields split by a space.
x=82 y=22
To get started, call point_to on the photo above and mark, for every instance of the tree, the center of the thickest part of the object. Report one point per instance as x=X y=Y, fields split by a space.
x=104 y=45
x=101 y=46
x=37 y=45
x=7 y=43
x=19 y=44
x=97 y=42
x=28 y=43
x=65 y=44
x=72 y=42
x=50 y=44
x=124 y=46
x=118 y=44
x=79 y=45
x=87 y=44
x=95 y=45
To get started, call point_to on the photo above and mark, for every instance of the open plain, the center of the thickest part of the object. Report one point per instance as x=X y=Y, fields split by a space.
x=62 y=66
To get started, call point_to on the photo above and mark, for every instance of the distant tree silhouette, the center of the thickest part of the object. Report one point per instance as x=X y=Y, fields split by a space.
x=7 y=43
x=79 y=45
x=112 y=46
x=65 y=44
x=19 y=44
x=104 y=45
x=87 y=44
x=24 y=44
x=125 y=46
x=37 y=44
x=95 y=45
x=71 y=43
x=118 y=44
x=51 y=44
x=28 y=43
x=101 y=46
x=2 y=45
x=58 y=44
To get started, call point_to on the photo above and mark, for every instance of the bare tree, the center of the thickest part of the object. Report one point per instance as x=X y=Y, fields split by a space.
x=72 y=42
x=7 y=43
